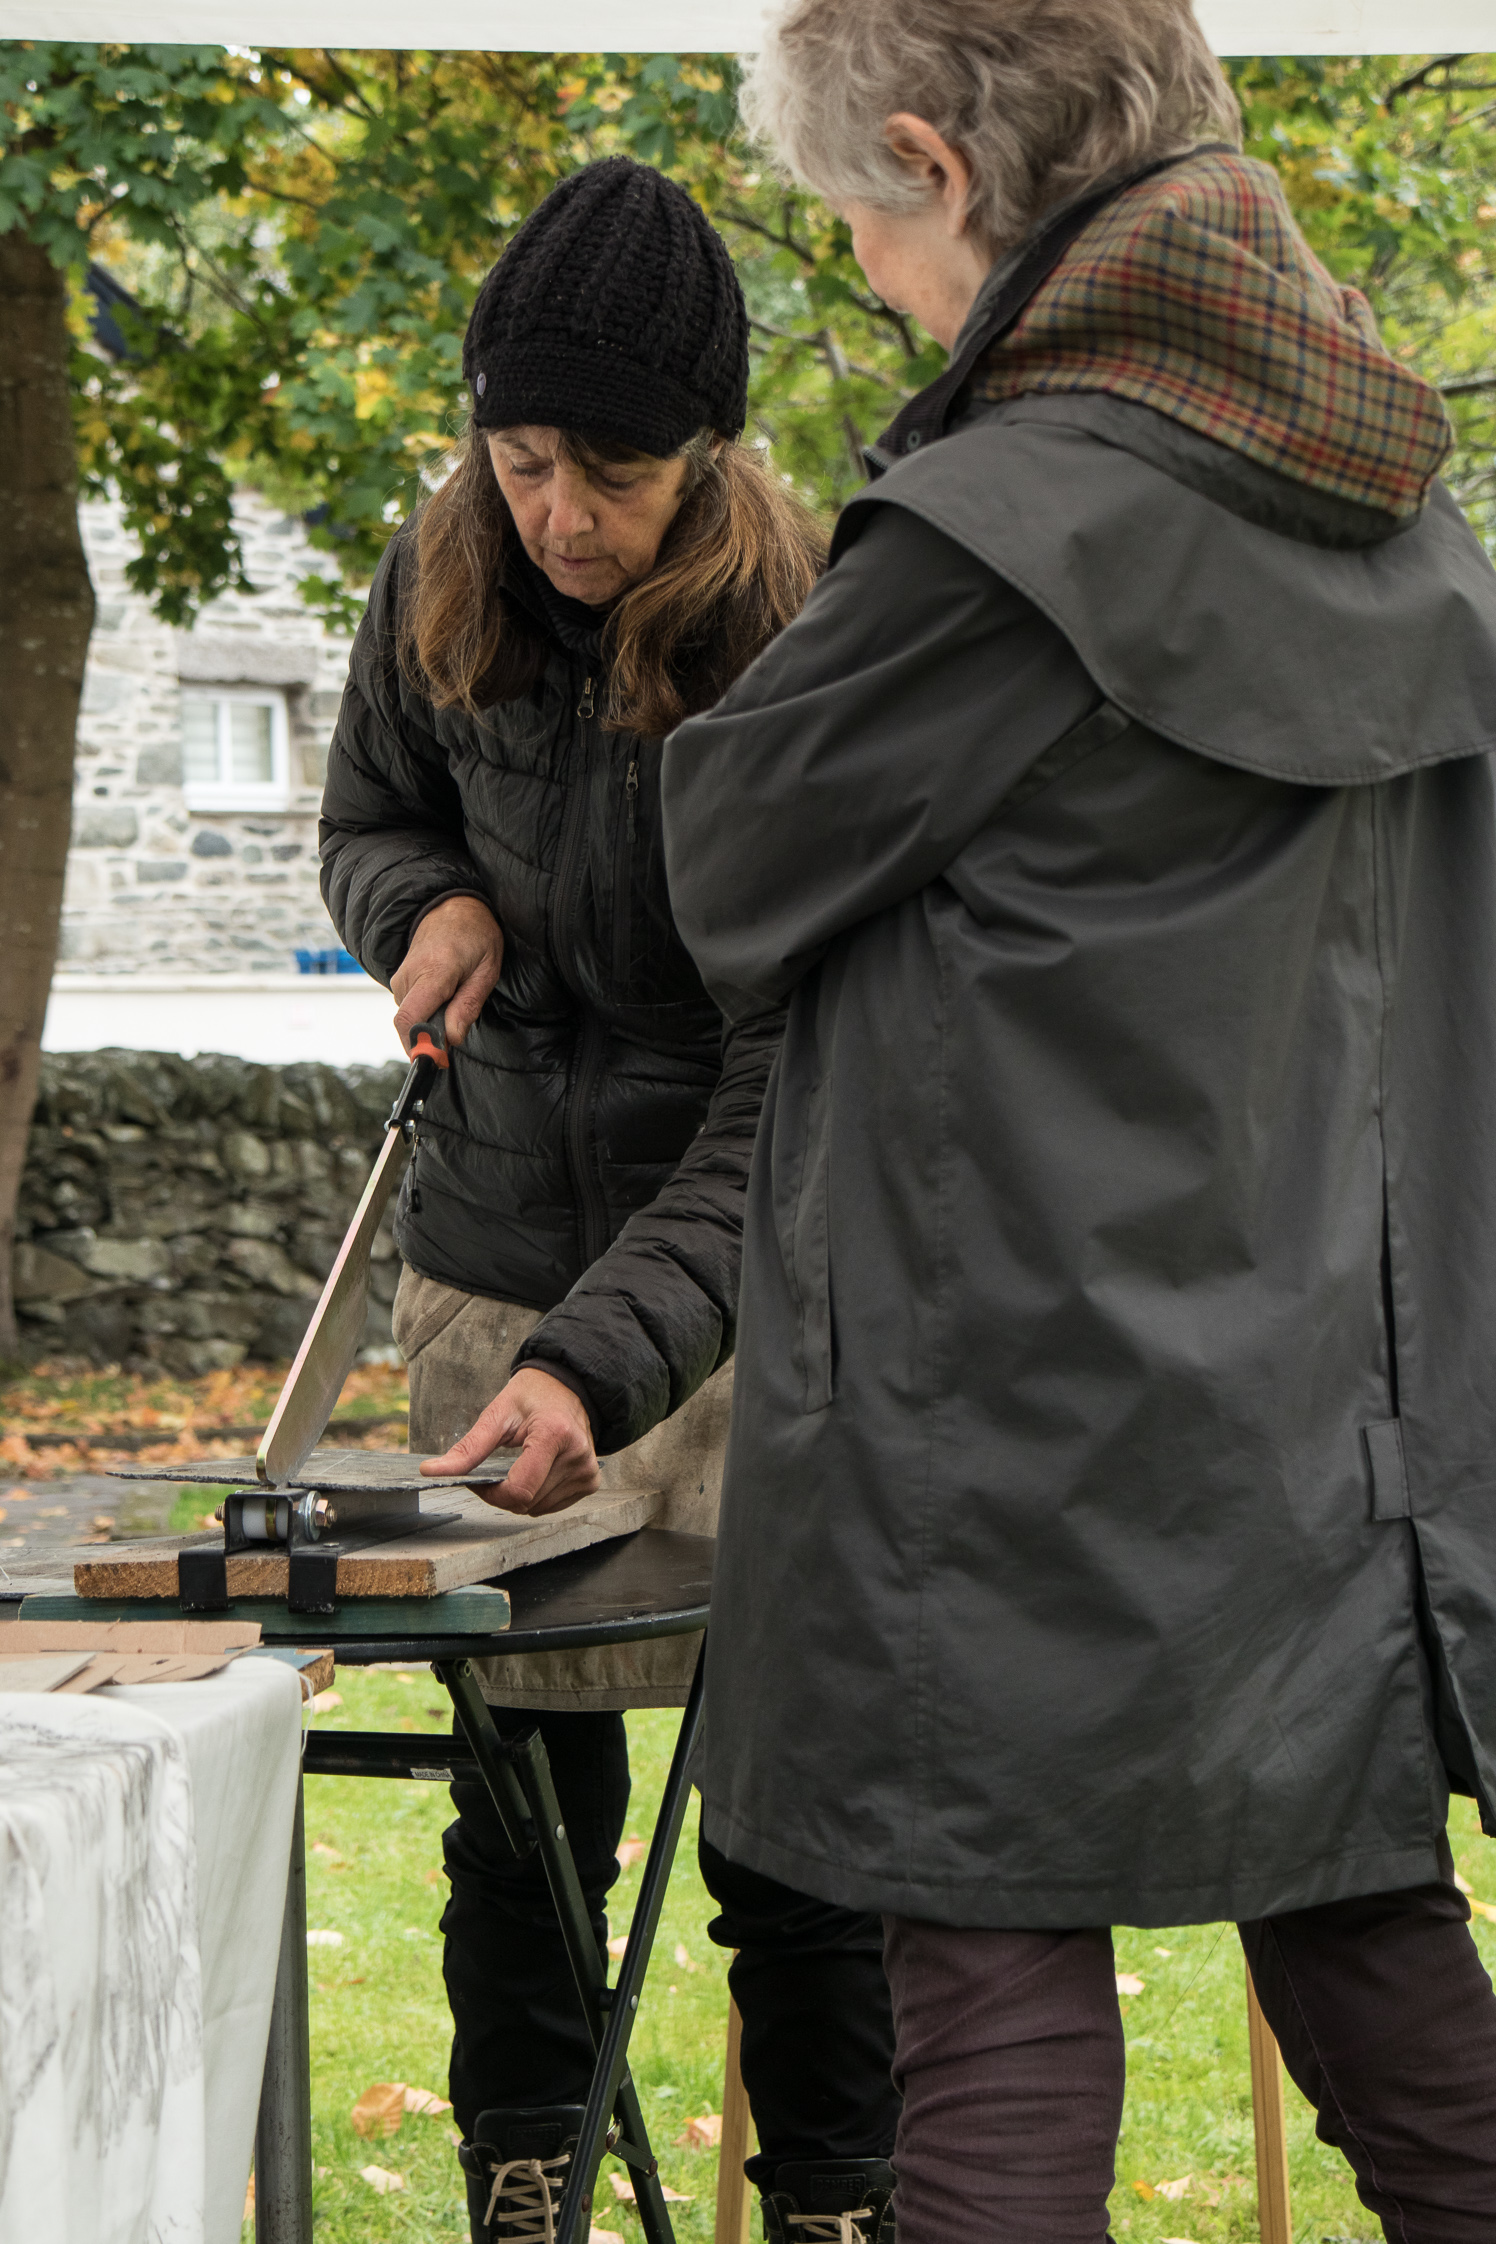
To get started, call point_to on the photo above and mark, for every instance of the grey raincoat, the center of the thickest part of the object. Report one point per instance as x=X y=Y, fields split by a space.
x=1109 y=1529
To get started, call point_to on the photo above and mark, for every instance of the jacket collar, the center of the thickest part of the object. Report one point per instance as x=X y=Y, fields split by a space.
x=576 y=628
x=1001 y=298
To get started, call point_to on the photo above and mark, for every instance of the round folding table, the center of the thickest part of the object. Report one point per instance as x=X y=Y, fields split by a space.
x=652 y=1583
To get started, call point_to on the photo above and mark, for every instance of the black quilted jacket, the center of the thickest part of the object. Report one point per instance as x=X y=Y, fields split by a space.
x=587 y=1153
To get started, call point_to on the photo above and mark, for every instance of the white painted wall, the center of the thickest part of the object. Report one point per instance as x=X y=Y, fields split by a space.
x=341 y=1018
x=1234 y=27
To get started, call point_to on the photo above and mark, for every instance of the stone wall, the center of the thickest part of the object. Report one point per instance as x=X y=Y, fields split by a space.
x=181 y=1215
x=152 y=885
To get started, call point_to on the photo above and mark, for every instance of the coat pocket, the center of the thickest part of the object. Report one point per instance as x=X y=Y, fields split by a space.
x=802 y=1211
x=423 y=1309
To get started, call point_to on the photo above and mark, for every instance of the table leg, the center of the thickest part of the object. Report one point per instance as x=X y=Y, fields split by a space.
x=283 y=2135
x=1274 y=2218
x=734 y=2190
x=611 y=2084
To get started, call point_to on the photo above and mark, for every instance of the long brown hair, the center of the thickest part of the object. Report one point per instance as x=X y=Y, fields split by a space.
x=734 y=568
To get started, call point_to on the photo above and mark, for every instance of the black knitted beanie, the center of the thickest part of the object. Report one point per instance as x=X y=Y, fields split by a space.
x=615 y=312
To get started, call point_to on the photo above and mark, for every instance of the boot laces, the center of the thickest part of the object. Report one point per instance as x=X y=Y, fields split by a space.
x=831 y=2228
x=532 y=2188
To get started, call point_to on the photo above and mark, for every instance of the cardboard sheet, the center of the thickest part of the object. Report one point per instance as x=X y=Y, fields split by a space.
x=76 y=1656
x=43 y=1671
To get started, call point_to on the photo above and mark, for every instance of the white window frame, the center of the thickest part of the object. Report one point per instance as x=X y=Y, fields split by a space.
x=242 y=794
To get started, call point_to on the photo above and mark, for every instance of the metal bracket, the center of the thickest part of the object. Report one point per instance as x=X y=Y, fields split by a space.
x=203 y=1581
x=312 y=1578
x=295 y=1522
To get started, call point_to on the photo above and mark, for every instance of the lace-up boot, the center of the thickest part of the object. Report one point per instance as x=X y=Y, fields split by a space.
x=830 y=2201
x=516 y=2167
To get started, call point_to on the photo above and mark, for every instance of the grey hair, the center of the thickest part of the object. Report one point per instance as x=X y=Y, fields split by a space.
x=1046 y=99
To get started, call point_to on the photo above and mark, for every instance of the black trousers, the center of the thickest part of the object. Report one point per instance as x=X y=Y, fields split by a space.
x=1011 y=2059
x=807 y=1978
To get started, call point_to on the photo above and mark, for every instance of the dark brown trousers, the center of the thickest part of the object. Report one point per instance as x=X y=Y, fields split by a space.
x=1010 y=2062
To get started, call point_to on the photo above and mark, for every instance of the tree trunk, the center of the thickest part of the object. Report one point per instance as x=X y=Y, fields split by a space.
x=46 y=614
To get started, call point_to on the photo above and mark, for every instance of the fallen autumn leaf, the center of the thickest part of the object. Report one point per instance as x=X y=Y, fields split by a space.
x=380 y=2178
x=704 y=2132
x=630 y=1850
x=424 y=2103
x=380 y=2109
x=1128 y=1983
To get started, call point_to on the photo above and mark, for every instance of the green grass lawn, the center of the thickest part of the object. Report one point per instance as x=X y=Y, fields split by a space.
x=379 y=2014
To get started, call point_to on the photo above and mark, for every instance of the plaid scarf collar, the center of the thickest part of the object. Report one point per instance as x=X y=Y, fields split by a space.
x=1189 y=289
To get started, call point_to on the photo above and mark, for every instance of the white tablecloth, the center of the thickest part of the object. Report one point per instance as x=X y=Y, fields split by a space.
x=145 y=1834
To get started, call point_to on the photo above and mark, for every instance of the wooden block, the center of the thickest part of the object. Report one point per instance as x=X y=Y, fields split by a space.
x=479 y=1544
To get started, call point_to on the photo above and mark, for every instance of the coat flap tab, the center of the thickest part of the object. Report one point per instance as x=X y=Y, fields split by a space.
x=1389 y=1474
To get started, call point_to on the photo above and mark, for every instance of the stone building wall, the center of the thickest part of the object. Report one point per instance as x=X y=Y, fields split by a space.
x=181 y=1215
x=151 y=884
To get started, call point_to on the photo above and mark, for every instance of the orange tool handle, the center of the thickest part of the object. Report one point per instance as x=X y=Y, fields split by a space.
x=428 y=1052
x=428 y=1041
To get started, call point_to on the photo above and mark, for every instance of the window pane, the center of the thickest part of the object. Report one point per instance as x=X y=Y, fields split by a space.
x=199 y=741
x=250 y=756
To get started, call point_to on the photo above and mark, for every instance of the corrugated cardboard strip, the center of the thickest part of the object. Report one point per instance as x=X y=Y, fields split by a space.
x=80 y=1655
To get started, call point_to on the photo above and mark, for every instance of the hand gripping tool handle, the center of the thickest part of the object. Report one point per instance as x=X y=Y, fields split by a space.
x=428 y=1057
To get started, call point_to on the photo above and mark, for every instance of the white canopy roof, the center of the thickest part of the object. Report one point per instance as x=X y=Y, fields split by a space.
x=1263 y=27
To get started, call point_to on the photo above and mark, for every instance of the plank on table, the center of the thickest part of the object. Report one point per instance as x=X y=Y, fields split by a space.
x=327 y=1470
x=480 y=1543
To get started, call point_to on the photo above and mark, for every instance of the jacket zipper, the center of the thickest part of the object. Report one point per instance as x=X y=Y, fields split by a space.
x=592 y=1214
x=623 y=880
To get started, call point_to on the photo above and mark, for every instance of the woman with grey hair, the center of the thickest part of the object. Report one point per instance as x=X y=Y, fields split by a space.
x=1110 y=1495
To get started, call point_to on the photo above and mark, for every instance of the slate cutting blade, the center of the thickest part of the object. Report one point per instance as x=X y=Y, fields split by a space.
x=331 y=1341
x=330 y=1347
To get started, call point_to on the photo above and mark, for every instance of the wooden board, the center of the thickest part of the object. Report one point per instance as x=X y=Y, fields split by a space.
x=483 y=1542
x=479 y=1611
x=329 y=1469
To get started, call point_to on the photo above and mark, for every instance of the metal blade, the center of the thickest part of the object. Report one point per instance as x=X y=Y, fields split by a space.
x=327 y=1352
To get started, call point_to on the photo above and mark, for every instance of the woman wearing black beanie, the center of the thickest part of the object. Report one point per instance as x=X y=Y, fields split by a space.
x=602 y=561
